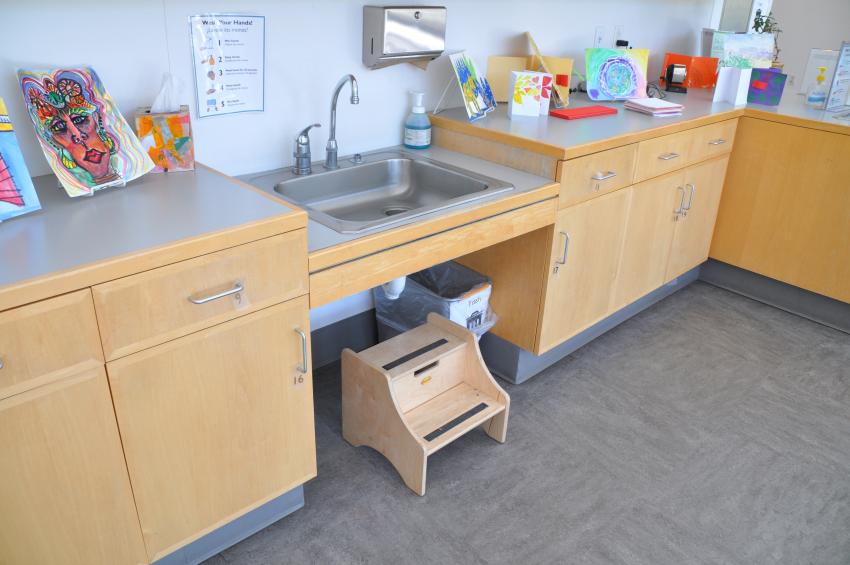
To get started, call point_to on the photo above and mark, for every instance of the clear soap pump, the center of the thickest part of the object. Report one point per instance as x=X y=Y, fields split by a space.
x=816 y=96
x=417 y=126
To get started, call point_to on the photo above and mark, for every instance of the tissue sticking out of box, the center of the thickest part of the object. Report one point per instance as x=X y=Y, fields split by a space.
x=167 y=100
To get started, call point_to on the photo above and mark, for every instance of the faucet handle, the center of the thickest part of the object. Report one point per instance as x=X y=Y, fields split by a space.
x=304 y=136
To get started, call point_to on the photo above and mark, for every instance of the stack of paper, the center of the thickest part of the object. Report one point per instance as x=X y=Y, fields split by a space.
x=654 y=107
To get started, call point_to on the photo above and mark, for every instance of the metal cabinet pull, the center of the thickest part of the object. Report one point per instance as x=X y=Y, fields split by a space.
x=1 y=363
x=303 y=367
x=668 y=156
x=718 y=141
x=237 y=288
x=563 y=259
x=604 y=176
x=678 y=211
x=692 y=189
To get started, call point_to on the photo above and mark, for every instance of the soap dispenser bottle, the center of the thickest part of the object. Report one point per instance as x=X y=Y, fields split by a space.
x=417 y=126
x=816 y=96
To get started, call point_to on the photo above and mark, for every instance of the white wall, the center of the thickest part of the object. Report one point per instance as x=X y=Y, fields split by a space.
x=821 y=24
x=309 y=45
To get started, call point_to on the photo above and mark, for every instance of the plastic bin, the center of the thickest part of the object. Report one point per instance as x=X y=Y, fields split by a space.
x=450 y=289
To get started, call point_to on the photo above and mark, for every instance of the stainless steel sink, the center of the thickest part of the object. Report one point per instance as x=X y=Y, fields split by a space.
x=385 y=188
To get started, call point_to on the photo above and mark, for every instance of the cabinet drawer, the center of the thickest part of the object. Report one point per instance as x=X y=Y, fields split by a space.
x=143 y=310
x=663 y=154
x=712 y=141
x=47 y=340
x=596 y=174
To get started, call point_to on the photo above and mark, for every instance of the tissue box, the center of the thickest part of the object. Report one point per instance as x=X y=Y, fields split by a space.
x=167 y=138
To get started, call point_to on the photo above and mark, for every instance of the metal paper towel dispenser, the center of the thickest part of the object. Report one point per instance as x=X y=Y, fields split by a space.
x=403 y=34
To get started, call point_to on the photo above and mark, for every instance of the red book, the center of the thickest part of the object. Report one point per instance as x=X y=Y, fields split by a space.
x=583 y=112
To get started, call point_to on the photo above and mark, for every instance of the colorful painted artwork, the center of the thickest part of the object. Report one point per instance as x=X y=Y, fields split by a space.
x=87 y=142
x=616 y=74
x=167 y=138
x=748 y=50
x=477 y=95
x=526 y=88
x=766 y=86
x=17 y=194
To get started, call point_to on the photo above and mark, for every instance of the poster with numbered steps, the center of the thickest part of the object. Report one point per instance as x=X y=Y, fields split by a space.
x=228 y=52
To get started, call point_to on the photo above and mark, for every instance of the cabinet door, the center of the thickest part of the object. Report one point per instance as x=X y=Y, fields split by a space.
x=216 y=423
x=649 y=234
x=704 y=184
x=65 y=497
x=586 y=250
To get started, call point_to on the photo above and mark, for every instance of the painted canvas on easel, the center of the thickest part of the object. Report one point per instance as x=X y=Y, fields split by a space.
x=17 y=194
x=616 y=74
x=477 y=95
x=86 y=141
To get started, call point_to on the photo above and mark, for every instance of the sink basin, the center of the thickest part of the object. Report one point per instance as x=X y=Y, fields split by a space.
x=385 y=188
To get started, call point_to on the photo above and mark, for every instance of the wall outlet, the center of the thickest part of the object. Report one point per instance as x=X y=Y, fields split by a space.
x=618 y=34
x=599 y=36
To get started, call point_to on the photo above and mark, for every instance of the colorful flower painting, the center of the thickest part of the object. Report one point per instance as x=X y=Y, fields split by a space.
x=477 y=95
x=167 y=138
x=527 y=95
x=87 y=142
x=616 y=74
x=17 y=194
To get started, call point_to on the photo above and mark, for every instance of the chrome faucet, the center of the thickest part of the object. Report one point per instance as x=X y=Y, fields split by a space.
x=301 y=165
x=331 y=149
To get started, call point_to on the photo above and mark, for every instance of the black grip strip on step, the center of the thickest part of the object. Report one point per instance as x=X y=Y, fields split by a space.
x=456 y=422
x=414 y=354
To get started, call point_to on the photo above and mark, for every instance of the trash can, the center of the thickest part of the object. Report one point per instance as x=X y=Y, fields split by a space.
x=450 y=289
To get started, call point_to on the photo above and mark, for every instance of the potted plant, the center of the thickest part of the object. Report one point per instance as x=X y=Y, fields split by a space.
x=768 y=24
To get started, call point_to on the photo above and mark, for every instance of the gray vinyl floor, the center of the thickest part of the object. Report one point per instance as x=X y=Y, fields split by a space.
x=708 y=429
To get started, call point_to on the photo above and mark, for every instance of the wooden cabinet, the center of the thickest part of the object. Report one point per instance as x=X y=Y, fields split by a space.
x=593 y=175
x=703 y=184
x=46 y=340
x=649 y=233
x=585 y=253
x=785 y=211
x=713 y=140
x=663 y=154
x=216 y=423
x=153 y=307
x=64 y=494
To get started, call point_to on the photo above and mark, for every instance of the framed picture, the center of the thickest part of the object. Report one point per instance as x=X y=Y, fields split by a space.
x=17 y=194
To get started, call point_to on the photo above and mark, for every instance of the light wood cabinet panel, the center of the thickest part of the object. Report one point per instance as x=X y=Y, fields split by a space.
x=64 y=494
x=47 y=340
x=586 y=250
x=785 y=211
x=649 y=235
x=692 y=238
x=713 y=140
x=153 y=307
x=663 y=155
x=216 y=423
x=593 y=175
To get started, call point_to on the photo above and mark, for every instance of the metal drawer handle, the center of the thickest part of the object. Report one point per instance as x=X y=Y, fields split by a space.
x=563 y=259
x=237 y=288
x=303 y=367
x=718 y=141
x=691 y=192
x=604 y=176
x=1 y=363
x=668 y=156
x=678 y=211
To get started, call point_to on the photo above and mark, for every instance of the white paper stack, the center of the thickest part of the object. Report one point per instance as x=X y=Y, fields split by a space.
x=654 y=107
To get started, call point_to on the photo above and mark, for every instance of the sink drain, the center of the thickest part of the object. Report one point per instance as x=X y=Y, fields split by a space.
x=394 y=210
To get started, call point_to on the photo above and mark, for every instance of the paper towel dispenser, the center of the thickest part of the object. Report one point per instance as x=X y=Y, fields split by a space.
x=403 y=34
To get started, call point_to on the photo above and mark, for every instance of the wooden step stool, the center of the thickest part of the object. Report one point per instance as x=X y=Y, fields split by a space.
x=413 y=394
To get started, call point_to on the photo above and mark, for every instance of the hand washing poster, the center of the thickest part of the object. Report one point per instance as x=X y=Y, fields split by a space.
x=228 y=51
